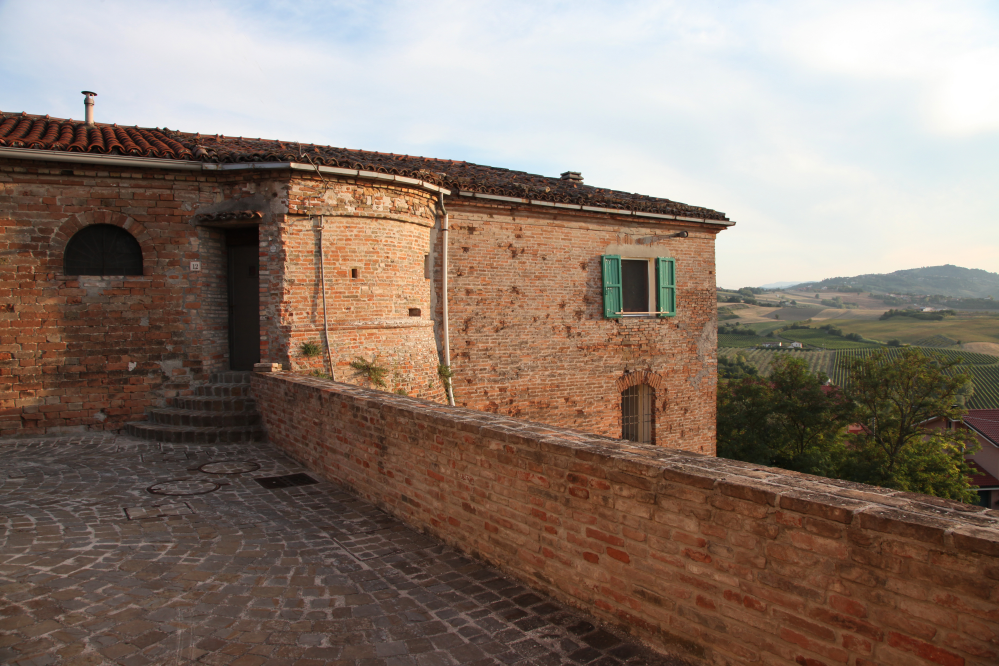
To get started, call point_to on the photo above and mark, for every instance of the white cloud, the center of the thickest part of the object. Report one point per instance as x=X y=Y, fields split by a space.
x=841 y=136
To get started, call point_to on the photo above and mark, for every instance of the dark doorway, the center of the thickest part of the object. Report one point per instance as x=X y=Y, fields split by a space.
x=244 y=298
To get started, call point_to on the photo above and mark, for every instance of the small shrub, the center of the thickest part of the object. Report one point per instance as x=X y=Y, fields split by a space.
x=894 y=342
x=310 y=349
x=370 y=371
x=445 y=374
x=320 y=374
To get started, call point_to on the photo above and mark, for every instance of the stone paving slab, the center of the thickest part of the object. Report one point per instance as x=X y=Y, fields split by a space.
x=217 y=569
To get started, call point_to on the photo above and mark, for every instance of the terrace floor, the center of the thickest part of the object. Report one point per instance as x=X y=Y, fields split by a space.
x=115 y=550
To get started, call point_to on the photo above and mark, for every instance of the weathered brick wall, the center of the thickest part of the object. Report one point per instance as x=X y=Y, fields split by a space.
x=84 y=351
x=528 y=335
x=374 y=242
x=722 y=561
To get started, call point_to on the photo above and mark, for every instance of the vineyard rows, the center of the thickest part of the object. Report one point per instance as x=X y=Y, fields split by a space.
x=983 y=368
x=764 y=359
x=986 y=381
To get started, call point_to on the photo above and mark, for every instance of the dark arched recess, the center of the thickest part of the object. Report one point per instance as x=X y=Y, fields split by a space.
x=102 y=249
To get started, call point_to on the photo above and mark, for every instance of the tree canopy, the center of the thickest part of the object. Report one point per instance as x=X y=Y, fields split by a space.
x=790 y=419
x=793 y=419
x=897 y=401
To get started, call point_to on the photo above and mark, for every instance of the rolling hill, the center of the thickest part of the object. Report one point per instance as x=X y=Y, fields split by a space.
x=946 y=280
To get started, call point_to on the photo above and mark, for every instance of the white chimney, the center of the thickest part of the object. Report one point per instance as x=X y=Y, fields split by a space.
x=88 y=106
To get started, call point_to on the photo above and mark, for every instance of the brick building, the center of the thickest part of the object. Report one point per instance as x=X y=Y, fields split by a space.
x=137 y=262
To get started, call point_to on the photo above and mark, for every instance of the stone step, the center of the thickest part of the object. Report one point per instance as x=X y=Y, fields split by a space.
x=191 y=435
x=223 y=390
x=213 y=404
x=200 y=418
x=231 y=377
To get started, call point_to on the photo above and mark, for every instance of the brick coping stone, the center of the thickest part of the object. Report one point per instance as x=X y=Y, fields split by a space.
x=918 y=516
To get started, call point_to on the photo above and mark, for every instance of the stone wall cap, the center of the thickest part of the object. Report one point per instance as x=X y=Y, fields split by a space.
x=909 y=515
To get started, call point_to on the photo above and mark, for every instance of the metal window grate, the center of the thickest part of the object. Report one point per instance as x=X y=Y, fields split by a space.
x=102 y=249
x=636 y=414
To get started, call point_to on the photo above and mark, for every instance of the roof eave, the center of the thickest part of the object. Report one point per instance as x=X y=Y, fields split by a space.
x=595 y=209
x=193 y=165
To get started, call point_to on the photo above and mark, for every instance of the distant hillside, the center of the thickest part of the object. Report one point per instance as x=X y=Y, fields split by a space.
x=946 y=280
x=779 y=285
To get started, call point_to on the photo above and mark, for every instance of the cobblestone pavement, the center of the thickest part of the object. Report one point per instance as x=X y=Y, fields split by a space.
x=119 y=551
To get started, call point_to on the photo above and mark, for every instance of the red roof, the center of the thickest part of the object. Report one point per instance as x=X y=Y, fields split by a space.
x=980 y=477
x=45 y=134
x=985 y=422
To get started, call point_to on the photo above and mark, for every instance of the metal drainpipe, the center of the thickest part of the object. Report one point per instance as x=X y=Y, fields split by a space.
x=322 y=278
x=447 y=342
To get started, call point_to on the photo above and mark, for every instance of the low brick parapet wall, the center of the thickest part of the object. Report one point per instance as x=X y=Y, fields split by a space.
x=714 y=559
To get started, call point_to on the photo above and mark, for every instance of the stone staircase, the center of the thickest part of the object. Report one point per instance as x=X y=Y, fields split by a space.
x=218 y=413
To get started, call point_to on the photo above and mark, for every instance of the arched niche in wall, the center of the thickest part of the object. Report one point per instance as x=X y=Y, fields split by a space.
x=102 y=250
x=101 y=243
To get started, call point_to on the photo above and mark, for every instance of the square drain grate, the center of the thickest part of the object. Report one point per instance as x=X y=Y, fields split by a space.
x=286 y=481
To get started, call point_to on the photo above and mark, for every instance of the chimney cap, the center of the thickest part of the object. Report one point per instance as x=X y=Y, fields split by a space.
x=88 y=93
x=572 y=175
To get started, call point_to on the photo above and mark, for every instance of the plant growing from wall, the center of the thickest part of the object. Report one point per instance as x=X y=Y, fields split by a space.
x=372 y=373
x=445 y=374
x=310 y=349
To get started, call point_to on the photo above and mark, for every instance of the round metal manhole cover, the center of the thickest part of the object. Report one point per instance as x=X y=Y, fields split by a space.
x=184 y=487
x=230 y=467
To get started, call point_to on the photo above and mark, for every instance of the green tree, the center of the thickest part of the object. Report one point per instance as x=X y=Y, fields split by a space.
x=790 y=419
x=895 y=400
x=736 y=368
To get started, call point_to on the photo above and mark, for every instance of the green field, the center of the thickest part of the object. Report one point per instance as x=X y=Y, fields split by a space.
x=820 y=338
x=796 y=314
x=741 y=341
x=764 y=359
x=936 y=341
x=963 y=328
x=983 y=368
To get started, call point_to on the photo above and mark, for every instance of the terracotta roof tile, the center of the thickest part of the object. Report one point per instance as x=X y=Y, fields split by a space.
x=53 y=134
x=980 y=477
x=986 y=422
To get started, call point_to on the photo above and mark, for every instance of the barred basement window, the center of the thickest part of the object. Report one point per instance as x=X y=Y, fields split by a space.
x=102 y=249
x=636 y=414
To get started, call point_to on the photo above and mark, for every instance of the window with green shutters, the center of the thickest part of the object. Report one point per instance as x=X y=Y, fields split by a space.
x=666 y=286
x=612 y=286
x=638 y=287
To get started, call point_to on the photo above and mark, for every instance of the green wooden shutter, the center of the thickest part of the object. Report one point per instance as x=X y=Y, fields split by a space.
x=612 y=286
x=666 y=286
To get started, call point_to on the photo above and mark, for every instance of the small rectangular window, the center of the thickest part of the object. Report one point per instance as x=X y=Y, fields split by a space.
x=639 y=287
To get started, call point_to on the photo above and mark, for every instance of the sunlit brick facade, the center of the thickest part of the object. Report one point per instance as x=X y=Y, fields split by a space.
x=530 y=331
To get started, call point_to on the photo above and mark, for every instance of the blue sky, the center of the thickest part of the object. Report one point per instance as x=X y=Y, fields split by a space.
x=843 y=137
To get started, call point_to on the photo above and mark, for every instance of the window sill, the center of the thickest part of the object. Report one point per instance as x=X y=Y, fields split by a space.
x=643 y=315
